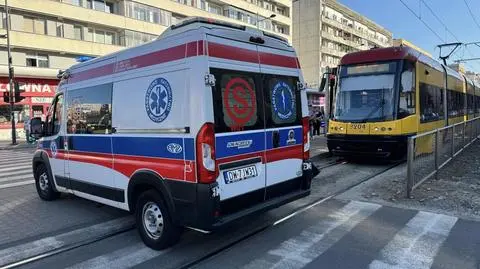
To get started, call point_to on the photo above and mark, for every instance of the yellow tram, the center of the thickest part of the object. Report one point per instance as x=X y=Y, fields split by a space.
x=386 y=95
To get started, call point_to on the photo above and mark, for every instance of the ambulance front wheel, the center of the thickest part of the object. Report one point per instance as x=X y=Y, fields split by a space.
x=44 y=184
x=154 y=222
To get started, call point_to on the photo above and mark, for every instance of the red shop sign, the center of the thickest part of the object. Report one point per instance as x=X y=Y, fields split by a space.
x=32 y=87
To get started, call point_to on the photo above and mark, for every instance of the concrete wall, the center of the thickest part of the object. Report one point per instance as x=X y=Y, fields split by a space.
x=306 y=38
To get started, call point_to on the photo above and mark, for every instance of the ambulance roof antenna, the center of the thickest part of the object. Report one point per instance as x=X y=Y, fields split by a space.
x=445 y=57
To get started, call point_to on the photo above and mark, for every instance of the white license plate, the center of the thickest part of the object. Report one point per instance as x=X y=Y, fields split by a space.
x=243 y=173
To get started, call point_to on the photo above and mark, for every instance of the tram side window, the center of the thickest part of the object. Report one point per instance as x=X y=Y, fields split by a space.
x=470 y=104
x=456 y=103
x=431 y=103
x=462 y=108
x=407 y=91
x=477 y=104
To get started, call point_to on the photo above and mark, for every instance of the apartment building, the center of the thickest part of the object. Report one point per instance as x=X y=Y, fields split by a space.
x=325 y=30
x=49 y=35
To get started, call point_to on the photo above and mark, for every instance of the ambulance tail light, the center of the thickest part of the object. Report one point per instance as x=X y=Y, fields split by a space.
x=306 y=137
x=205 y=147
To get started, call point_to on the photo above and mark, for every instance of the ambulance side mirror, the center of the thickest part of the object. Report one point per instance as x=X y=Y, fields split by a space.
x=36 y=128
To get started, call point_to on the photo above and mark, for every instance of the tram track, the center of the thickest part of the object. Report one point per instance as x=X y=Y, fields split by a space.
x=198 y=260
x=279 y=221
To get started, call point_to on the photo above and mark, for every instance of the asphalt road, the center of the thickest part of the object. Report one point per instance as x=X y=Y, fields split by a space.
x=332 y=234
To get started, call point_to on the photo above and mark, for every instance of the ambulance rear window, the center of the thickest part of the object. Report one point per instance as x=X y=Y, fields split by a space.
x=237 y=98
x=283 y=100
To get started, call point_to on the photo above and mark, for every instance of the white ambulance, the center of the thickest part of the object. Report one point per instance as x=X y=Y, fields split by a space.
x=204 y=125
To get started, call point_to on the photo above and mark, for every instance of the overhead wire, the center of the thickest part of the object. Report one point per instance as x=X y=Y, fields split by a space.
x=474 y=20
x=447 y=29
x=420 y=18
x=471 y=13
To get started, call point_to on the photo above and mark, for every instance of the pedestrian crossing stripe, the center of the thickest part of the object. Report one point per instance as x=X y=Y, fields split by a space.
x=297 y=251
x=15 y=169
x=413 y=244
x=416 y=240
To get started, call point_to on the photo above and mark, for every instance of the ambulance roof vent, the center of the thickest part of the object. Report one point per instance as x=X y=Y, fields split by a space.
x=193 y=20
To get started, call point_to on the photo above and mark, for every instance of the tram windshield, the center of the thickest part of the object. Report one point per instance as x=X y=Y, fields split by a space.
x=366 y=93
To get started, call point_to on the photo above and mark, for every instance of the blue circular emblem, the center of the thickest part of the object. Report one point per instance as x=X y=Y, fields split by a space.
x=283 y=101
x=53 y=148
x=158 y=100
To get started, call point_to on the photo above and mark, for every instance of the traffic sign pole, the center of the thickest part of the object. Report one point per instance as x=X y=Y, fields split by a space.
x=10 y=76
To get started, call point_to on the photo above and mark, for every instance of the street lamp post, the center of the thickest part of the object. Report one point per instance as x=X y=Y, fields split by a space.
x=10 y=74
x=258 y=21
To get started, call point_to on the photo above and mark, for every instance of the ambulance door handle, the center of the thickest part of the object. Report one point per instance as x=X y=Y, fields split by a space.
x=276 y=139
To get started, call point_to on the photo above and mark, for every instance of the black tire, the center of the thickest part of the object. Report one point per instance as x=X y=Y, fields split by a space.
x=44 y=184
x=147 y=206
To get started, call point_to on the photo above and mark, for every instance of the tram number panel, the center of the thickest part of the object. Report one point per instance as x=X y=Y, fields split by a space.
x=358 y=126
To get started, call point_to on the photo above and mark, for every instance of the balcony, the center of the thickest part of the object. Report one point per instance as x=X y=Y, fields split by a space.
x=333 y=52
x=62 y=45
x=186 y=10
x=261 y=11
x=88 y=16
x=30 y=72
x=349 y=29
x=339 y=39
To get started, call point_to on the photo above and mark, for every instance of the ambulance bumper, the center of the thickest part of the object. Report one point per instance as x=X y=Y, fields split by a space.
x=208 y=213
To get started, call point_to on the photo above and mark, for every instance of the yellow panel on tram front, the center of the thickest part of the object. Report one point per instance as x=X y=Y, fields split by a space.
x=386 y=128
x=358 y=128
x=335 y=127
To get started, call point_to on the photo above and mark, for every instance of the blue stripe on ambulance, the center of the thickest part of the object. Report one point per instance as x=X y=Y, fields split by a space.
x=284 y=140
x=236 y=144
x=135 y=146
x=254 y=142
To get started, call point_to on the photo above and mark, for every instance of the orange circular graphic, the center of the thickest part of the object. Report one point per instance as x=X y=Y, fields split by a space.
x=242 y=109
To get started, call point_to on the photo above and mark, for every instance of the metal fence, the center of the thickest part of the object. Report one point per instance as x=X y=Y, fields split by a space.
x=429 y=152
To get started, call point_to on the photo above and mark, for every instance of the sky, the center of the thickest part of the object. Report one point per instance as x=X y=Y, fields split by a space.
x=398 y=19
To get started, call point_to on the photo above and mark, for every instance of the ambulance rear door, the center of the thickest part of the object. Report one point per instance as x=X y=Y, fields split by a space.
x=239 y=119
x=283 y=117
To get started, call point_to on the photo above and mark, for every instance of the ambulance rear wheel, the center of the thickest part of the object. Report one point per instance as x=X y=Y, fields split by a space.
x=154 y=222
x=44 y=184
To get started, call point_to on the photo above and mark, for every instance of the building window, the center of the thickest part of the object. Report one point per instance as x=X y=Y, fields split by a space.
x=89 y=35
x=60 y=29
x=148 y=13
x=21 y=113
x=212 y=8
x=3 y=17
x=110 y=38
x=34 y=25
x=28 y=24
x=37 y=60
x=76 y=2
x=99 y=5
x=78 y=32
x=99 y=36
x=131 y=38
x=109 y=7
